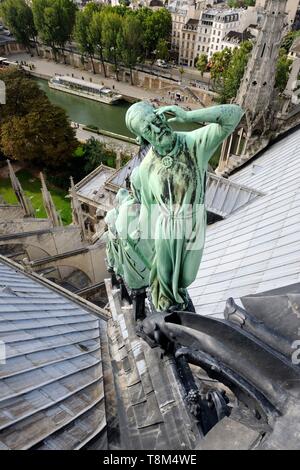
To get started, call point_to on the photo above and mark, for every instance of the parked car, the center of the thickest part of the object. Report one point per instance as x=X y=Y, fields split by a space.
x=161 y=63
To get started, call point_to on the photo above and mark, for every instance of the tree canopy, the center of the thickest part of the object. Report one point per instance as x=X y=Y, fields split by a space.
x=129 y=42
x=241 y=3
x=31 y=128
x=54 y=20
x=227 y=70
x=202 y=63
x=83 y=30
x=17 y=15
x=282 y=70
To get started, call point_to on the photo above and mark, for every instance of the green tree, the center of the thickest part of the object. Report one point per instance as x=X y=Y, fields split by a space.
x=219 y=64
x=241 y=3
x=282 y=70
x=21 y=94
x=162 y=50
x=96 y=36
x=201 y=63
x=17 y=15
x=181 y=73
x=54 y=20
x=83 y=31
x=95 y=153
x=111 y=26
x=31 y=128
x=129 y=42
x=157 y=25
x=235 y=71
x=288 y=40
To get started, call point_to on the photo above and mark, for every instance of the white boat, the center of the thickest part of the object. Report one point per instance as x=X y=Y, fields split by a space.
x=84 y=88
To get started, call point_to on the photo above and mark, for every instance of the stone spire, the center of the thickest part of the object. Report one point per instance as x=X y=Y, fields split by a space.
x=77 y=214
x=19 y=192
x=49 y=206
x=257 y=95
x=256 y=91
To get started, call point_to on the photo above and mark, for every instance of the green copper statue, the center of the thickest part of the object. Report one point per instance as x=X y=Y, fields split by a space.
x=110 y=236
x=133 y=250
x=172 y=190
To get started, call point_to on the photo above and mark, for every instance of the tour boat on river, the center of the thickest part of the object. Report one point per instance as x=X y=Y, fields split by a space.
x=84 y=88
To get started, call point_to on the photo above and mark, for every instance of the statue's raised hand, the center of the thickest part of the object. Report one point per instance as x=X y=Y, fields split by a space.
x=180 y=114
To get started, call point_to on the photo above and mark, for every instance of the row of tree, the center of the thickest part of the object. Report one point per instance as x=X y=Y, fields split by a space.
x=32 y=130
x=241 y=3
x=118 y=34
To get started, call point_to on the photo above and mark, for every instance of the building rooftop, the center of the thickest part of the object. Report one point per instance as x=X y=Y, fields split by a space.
x=120 y=179
x=91 y=187
x=211 y=12
x=51 y=394
x=192 y=21
x=258 y=247
x=224 y=14
x=236 y=37
x=156 y=3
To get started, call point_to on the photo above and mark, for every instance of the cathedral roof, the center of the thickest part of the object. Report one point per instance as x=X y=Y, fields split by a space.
x=51 y=393
x=257 y=248
x=91 y=187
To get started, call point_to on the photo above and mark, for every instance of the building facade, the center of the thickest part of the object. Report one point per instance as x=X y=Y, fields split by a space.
x=197 y=29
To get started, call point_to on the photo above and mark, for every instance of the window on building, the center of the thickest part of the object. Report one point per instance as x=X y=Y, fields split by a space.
x=205 y=30
x=217 y=48
x=183 y=35
x=188 y=36
x=194 y=37
x=200 y=39
x=198 y=48
x=203 y=48
x=204 y=39
x=219 y=33
x=218 y=40
x=207 y=50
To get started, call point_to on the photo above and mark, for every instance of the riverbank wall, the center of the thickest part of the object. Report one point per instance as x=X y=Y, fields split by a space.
x=118 y=143
x=193 y=96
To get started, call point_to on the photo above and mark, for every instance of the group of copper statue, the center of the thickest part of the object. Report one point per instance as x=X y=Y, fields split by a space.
x=156 y=232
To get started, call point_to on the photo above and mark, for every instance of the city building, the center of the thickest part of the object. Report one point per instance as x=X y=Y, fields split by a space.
x=219 y=24
x=201 y=30
x=180 y=10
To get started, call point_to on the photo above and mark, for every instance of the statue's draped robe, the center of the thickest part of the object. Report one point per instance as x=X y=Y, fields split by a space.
x=110 y=236
x=172 y=196
x=111 y=240
x=133 y=250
